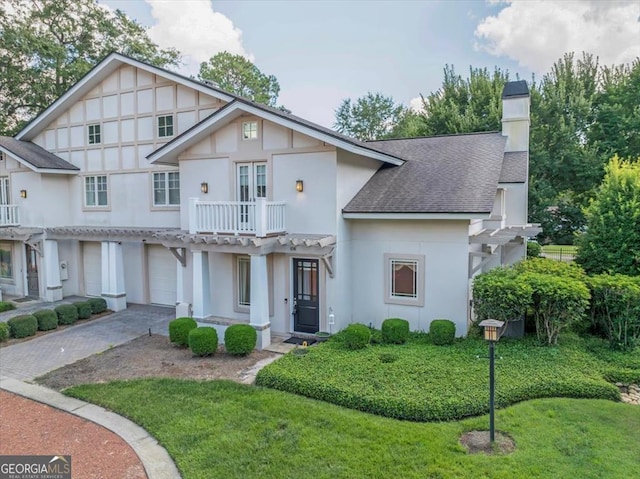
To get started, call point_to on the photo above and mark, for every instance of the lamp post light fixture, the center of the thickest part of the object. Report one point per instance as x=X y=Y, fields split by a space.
x=492 y=331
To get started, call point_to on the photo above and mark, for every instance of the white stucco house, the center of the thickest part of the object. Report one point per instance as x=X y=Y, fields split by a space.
x=143 y=186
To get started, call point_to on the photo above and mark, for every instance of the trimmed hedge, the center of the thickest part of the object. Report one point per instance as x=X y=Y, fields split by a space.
x=98 y=305
x=47 y=319
x=240 y=339
x=355 y=336
x=442 y=332
x=67 y=314
x=6 y=306
x=84 y=309
x=395 y=331
x=203 y=341
x=4 y=332
x=23 y=326
x=179 y=330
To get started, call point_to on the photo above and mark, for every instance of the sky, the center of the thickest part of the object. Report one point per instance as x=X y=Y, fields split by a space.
x=323 y=52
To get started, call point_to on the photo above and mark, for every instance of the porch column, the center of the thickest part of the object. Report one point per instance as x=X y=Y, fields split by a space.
x=184 y=275
x=259 y=313
x=53 y=285
x=201 y=285
x=113 y=289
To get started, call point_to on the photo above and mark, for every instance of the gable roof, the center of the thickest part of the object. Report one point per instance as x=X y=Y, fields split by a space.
x=168 y=153
x=514 y=167
x=444 y=174
x=100 y=72
x=35 y=157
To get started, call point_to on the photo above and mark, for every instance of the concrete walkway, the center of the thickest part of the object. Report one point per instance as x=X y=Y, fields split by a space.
x=27 y=360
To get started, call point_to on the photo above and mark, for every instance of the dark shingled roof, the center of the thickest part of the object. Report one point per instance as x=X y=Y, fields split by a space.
x=35 y=155
x=443 y=174
x=515 y=88
x=514 y=167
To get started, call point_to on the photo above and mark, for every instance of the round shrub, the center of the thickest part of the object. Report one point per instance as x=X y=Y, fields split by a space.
x=84 y=309
x=240 y=339
x=67 y=314
x=203 y=341
x=47 y=319
x=4 y=332
x=6 y=306
x=356 y=336
x=179 y=330
x=98 y=305
x=395 y=330
x=23 y=326
x=442 y=331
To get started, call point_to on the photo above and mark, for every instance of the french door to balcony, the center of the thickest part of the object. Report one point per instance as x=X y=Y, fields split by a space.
x=251 y=184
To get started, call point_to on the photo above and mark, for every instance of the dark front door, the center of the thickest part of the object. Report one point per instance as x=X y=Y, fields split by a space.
x=306 y=307
x=33 y=288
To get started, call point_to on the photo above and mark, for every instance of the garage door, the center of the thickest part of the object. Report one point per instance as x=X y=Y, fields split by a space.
x=92 y=264
x=162 y=275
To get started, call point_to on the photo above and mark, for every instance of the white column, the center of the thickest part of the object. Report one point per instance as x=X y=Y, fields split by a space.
x=53 y=285
x=259 y=315
x=184 y=297
x=201 y=285
x=261 y=217
x=113 y=289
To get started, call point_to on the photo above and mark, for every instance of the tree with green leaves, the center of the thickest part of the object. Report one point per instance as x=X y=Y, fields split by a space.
x=611 y=243
x=236 y=74
x=370 y=117
x=46 y=46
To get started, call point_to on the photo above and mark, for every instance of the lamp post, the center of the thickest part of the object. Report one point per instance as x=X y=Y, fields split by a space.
x=492 y=330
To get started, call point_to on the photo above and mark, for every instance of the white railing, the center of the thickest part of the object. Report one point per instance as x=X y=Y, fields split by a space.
x=259 y=218
x=9 y=215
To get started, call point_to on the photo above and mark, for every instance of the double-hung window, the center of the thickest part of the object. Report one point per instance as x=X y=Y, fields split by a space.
x=165 y=126
x=404 y=279
x=94 y=134
x=95 y=190
x=166 y=188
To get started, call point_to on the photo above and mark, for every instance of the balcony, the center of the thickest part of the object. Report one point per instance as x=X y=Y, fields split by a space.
x=9 y=215
x=259 y=218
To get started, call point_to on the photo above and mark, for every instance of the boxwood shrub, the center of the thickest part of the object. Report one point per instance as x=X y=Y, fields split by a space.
x=98 y=305
x=23 y=326
x=203 y=341
x=84 y=309
x=442 y=332
x=179 y=330
x=6 y=306
x=47 y=319
x=4 y=332
x=67 y=314
x=355 y=336
x=395 y=330
x=240 y=339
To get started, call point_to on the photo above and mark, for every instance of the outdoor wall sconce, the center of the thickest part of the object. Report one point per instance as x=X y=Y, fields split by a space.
x=204 y=187
x=299 y=186
x=23 y=193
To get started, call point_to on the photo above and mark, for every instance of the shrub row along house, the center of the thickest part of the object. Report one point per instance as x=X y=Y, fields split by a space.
x=140 y=185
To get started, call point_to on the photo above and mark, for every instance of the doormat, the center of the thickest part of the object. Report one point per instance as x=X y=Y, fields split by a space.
x=22 y=300
x=299 y=341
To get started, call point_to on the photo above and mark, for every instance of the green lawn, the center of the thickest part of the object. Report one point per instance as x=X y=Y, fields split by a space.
x=423 y=382
x=557 y=248
x=222 y=429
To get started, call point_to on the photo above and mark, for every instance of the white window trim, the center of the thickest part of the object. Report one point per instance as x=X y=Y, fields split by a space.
x=236 y=295
x=173 y=126
x=420 y=263
x=9 y=279
x=84 y=192
x=94 y=134
x=240 y=308
x=166 y=204
x=250 y=138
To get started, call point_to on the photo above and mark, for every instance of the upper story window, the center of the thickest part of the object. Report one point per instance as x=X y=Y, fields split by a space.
x=165 y=126
x=250 y=130
x=95 y=190
x=4 y=190
x=166 y=188
x=94 y=134
x=404 y=279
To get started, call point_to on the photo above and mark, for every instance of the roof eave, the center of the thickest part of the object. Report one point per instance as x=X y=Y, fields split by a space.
x=414 y=216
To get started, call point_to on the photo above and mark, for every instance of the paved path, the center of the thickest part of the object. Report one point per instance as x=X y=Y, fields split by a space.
x=35 y=357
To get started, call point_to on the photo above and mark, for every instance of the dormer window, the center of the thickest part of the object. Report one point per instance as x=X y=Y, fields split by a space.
x=94 y=134
x=250 y=130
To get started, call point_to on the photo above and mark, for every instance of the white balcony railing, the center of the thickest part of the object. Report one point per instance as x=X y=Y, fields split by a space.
x=9 y=215
x=259 y=218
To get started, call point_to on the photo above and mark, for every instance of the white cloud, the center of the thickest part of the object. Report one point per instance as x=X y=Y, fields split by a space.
x=537 y=33
x=195 y=29
x=416 y=104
